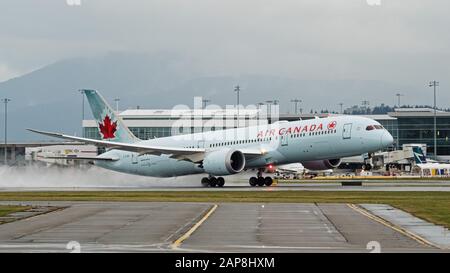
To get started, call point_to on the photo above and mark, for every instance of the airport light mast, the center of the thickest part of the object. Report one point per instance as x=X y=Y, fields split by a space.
x=398 y=130
x=341 y=104
x=82 y=111
x=398 y=97
x=117 y=100
x=269 y=106
x=5 y=101
x=259 y=107
x=296 y=101
x=269 y=110
x=365 y=104
x=434 y=84
x=237 y=89
x=205 y=102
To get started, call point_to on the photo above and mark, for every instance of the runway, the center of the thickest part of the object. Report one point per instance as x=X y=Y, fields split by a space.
x=222 y=227
x=233 y=185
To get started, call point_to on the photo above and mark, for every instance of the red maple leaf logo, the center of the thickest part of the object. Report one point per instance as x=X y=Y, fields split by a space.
x=108 y=128
x=332 y=125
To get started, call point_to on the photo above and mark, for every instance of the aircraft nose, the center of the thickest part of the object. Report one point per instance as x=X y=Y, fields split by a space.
x=386 y=139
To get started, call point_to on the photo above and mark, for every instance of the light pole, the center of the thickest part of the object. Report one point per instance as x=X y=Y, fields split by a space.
x=117 y=100
x=269 y=110
x=259 y=107
x=277 y=108
x=5 y=101
x=237 y=89
x=296 y=101
x=205 y=102
x=365 y=104
x=434 y=84
x=341 y=104
x=82 y=111
x=398 y=97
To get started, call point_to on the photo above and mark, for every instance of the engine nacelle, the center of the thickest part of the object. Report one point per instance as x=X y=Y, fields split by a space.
x=322 y=165
x=224 y=162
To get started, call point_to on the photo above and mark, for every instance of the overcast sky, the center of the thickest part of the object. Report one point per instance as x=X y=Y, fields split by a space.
x=402 y=41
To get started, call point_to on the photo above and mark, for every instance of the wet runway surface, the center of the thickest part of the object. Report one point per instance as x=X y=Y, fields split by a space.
x=223 y=227
x=317 y=186
x=242 y=185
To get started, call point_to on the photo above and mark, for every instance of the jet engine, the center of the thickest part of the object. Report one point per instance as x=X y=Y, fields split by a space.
x=322 y=165
x=224 y=162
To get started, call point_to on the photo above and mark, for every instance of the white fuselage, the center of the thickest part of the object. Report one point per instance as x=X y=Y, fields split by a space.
x=281 y=143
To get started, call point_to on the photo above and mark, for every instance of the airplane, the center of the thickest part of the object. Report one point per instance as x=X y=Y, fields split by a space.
x=428 y=167
x=296 y=170
x=319 y=144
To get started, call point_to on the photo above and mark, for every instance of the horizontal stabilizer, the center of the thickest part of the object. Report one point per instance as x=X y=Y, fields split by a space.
x=82 y=158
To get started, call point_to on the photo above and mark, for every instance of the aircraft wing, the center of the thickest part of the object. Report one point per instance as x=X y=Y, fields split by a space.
x=251 y=153
x=131 y=147
x=81 y=158
x=287 y=170
x=190 y=154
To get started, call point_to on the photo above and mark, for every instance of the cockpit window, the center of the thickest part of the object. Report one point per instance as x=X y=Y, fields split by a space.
x=374 y=127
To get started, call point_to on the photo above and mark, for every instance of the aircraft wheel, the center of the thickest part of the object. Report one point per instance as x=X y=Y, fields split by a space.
x=212 y=182
x=268 y=181
x=261 y=181
x=205 y=182
x=220 y=182
x=253 y=181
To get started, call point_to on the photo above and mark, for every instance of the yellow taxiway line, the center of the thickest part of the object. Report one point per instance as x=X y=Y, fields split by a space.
x=403 y=231
x=176 y=244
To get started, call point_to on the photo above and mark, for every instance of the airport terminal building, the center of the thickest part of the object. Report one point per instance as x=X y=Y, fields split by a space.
x=149 y=124
x=407 y=125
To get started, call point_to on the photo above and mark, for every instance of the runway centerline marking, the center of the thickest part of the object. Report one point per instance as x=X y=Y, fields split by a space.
x=399 y=229
x=176 y=244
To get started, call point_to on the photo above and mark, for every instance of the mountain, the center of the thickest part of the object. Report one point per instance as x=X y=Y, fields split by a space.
x=48 y=99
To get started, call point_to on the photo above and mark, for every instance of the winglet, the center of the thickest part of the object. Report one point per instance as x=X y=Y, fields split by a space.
x=45 y=133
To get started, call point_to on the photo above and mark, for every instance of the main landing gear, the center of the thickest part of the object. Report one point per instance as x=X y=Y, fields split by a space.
x=260 y=180
x=213 y=182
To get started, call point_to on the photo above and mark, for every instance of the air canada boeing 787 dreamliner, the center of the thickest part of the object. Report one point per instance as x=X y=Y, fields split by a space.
x=319 y=144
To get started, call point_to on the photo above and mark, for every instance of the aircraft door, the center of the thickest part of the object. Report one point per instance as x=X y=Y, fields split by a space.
x=347 y=131
x=284 y=140
x=134 y=158
x=201 y=144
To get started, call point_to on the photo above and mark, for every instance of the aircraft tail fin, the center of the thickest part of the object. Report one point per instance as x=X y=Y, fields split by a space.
x=110 y=126
x=419 y=156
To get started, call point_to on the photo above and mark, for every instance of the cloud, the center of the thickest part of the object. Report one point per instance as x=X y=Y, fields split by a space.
x=401 y=41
